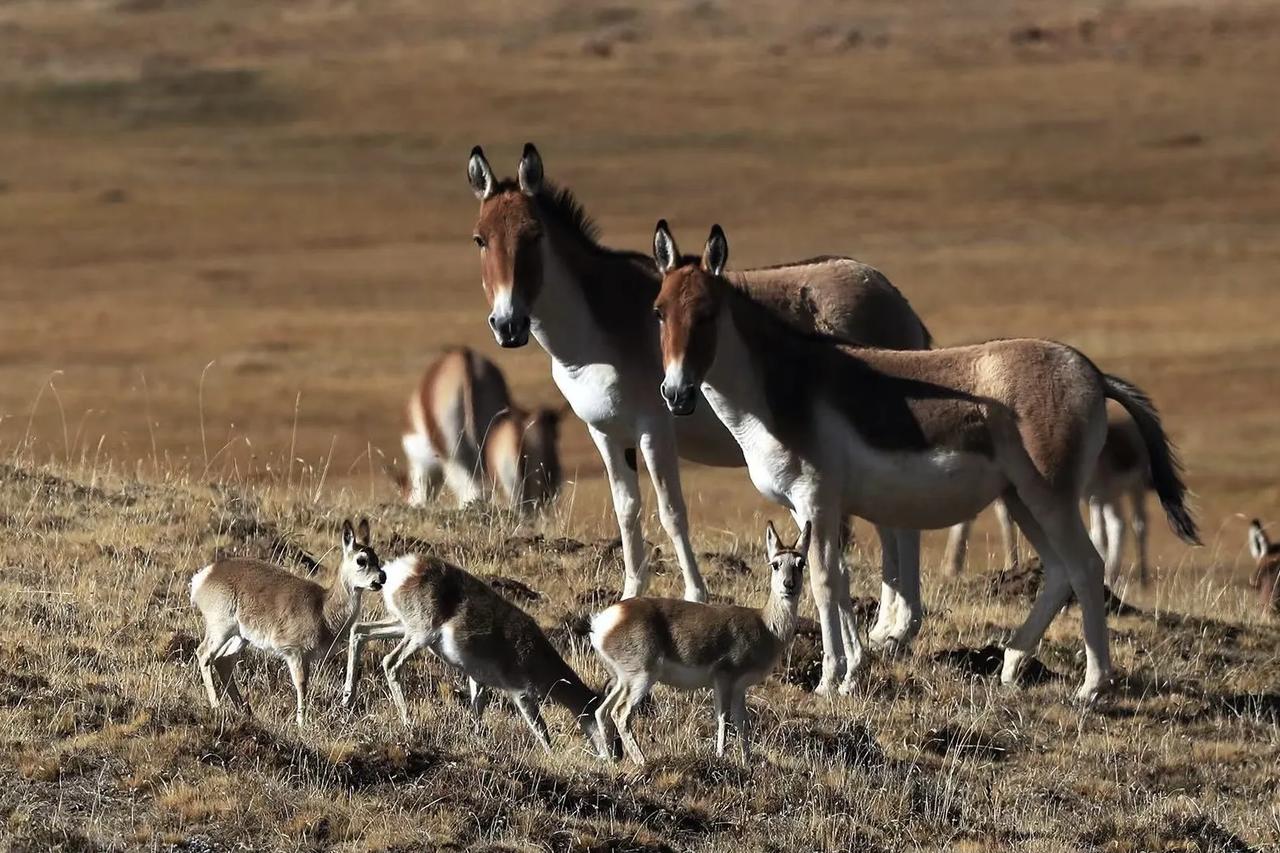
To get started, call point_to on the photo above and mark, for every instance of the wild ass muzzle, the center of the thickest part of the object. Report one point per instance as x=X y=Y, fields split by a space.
x=545 y=275
x=909 y=440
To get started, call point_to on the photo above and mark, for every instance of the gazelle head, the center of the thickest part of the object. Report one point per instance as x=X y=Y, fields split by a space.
x=361 y=568
x=1262 y=551
x=687 y=307
x=787 y=562
x=509 y=236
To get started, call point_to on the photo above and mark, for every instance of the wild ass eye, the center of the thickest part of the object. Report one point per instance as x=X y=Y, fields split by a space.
x=479 y=240
x=657 y=312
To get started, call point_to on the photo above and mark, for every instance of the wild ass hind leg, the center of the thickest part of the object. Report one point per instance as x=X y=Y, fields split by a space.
x=909 y=614
x=957 y=548
x=624 y=483
x=1114 y=555
x=1060 y=523
x=836 y=618
x=1008 y=536
x=663 y=462
x=1055 y=590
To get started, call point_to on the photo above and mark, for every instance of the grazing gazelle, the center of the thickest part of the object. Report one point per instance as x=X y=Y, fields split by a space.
x=909 y=440
x=544 y=273
x=264 y=605
x=462 y=428
x=648 y=641
x=1266 y=577
x=435 y=605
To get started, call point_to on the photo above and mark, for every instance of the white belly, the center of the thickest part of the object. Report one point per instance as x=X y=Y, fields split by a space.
x=920 y=491
x=595 y=393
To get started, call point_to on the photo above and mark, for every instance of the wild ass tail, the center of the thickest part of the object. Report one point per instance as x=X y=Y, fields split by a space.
x=1166 y=470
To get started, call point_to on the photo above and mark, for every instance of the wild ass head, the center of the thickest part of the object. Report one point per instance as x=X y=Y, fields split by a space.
x=687 y=307
x=509 y=236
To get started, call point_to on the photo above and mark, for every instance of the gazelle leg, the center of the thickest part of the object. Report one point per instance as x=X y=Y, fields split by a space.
x=1115 y=540
x=1008 y=536
x=624 y=483
x=889 y=581
x=299 y=671
x=635 y=692
x=604 y=713
x=722 y=692
x=391 y=667
x=957 y=548
x=1138 y=499
x=424 y=468
x=528 y=706
x=225 y=667
x=480 y=696
x=741 y=722
x=660 y=457
x=910 y=610
x=361 y=632
x=215 y=639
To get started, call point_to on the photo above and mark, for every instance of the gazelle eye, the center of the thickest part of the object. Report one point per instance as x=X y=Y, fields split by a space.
x=362 y=560
x=479 y=240
x=799 y=562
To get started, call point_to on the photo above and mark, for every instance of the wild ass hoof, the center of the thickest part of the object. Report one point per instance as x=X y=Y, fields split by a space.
x=826 y=687
x=1091 y=693
x=1012 y=666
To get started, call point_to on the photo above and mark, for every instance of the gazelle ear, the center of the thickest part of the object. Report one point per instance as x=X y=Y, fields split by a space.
x=666 y=254
x=770 y=541
x=716 y=253
x=362 y=532
x=530 y=170
x=479 y=175
x=348 y=535
x=1259 y=545
x=802 y=544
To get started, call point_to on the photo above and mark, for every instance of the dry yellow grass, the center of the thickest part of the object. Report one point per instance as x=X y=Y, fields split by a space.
x=232 y=234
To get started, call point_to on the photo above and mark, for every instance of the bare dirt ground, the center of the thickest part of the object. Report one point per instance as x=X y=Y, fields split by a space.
x=232 y=234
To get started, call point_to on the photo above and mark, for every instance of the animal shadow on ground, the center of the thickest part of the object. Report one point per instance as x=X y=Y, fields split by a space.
x=987 y=661
x=965 y=743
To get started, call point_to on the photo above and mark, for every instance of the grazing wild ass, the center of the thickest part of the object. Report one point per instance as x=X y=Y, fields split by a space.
x=1123 y=473
x=462 y=429
x=1266 y=577
x=544 y=273
x=249 y=601
x=435 y=605
x=909 y=440
x=648 y=641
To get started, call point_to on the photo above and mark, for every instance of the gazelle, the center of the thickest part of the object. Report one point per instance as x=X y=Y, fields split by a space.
x=909 y=440
x=648 y=641
x=1266 y=577
x=544 y=273
x=435 y=605
x=250 y=601
x=462 y=429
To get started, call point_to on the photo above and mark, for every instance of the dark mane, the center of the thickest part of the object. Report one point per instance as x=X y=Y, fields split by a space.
x=561 y=203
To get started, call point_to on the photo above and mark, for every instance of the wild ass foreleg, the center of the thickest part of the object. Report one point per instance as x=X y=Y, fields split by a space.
x=909 y=613
x=661 y=459
x=1138 y=497
x=1115 y=540
x=625 y=485
x=831 y=597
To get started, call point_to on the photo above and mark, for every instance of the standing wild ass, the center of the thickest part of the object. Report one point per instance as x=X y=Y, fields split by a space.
x=909 y=440
x=591 y=308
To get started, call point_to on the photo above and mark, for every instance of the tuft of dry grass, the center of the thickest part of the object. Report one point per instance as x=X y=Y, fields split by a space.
x=106 y=743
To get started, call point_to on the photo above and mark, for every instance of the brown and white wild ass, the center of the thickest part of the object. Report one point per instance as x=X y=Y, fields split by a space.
x=909 y=440
x=1266 y=577
x=591 y=308
x=462 y=429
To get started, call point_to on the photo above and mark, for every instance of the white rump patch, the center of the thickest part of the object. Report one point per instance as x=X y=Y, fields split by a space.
x=397 y=572
x=603 y=624
x=198 y=579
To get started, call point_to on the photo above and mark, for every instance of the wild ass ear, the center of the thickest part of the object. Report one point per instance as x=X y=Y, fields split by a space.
x=530 y=170
x=771 y=543
x=802 y=544
x=348 y=535
x=479 y=175
x=716 y=253
x=666 y=254
x=362 y=532
x=1259 y=545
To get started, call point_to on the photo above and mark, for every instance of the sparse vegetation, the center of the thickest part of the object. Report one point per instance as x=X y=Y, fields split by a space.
x=233 y=234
